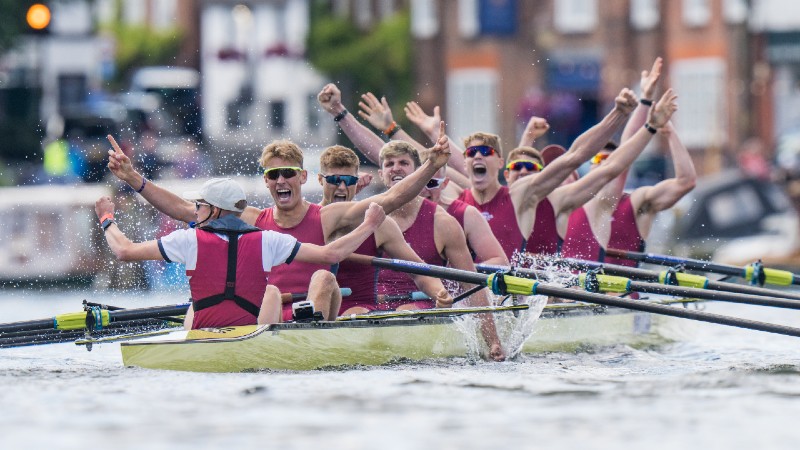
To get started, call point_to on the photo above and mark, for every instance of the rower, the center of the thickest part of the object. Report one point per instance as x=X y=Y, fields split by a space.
x=228 y=262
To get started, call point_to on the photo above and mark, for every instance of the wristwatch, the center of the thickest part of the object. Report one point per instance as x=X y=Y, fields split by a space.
x=106 y=223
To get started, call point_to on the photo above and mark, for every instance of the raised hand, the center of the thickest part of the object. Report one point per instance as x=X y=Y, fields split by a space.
x=376 y=112
x=330 y=98
x=424 y=122
x=535 y=129
x=625 y=101
x=659 y=116
x=119 y=164
x=496 y=352
x=374 y=215
x=440 y=152
x=103 y=206
x=364 y=179
x=650 y=78
x=443 y=299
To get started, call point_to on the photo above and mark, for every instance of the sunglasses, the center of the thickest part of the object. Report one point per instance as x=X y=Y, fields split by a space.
x=484 y=150
x=530 y=166
x=285 y=172
x=197 y=205
x=434 y=183
x=600 y=157
x=349 y=180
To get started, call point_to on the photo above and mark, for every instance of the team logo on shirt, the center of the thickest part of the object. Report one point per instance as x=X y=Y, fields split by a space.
x=487 y=215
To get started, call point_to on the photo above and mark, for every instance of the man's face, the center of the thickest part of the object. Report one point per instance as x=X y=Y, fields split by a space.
x=285 y=184
x=341 y=192
x=434 y=188
x=521 y=166
x=482 y=169
x=395 y=168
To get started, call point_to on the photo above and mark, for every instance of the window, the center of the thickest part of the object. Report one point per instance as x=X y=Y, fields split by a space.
x=165 y=13
x=277 y=116
x=644 y=14
x=696 y=13
x=424 y=20
x=734 y=11
x=575 y=16
x=472 y=102
x=386 y=8
x=134 y=11
x=468 y=18
x=701 y=85
x=363 y=13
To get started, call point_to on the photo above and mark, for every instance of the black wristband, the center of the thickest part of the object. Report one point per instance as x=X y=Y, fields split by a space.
x=393 y=132
x=646 y=101
x=340 y=116
x=141 y=188
x=106 y=223
x=650 y=128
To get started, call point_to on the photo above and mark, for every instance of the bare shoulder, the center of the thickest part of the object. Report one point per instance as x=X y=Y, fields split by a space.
x=250 y=215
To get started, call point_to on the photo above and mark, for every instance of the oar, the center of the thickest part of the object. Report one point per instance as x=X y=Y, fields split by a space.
x=287 y=297
x=673 y=277
x=598 y=282
x=37 y=337
x=504 y=284
x=433 y=312
x=96 y=316
x=755 y=273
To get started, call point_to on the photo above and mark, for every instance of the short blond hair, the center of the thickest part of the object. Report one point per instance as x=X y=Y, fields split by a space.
x=338 y=157
x=283 y=149
x=492 y=140
x=394 y=149
x=525 y=151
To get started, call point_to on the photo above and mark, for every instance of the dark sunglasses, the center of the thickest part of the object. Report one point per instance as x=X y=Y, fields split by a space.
x=349 y=180
x=530 y=166
x=484 y=150
x=285 y=172
x=198 y=204
x=434 y=183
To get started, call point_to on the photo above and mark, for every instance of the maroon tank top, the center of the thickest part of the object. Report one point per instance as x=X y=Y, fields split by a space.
x=624 y=232
x=580 y=242
x=457 y=210
x=361 y=279
x=499 y=212
x=544 y=237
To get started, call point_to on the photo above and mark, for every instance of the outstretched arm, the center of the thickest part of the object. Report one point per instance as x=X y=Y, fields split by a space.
x=379 y=115
x=343 y=247
x=648 y=86
x=330 y=98
x=653 y=199
x=120 y=245
x=427 y=124
x=481 y=239
x=567 y=198
x=528 y=191
x=535 y=129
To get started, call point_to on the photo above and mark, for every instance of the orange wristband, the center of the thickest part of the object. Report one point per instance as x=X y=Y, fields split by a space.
x=107 y=216
x=391 y=129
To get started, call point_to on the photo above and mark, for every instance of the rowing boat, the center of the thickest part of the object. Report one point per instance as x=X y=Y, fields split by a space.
x=367 y=342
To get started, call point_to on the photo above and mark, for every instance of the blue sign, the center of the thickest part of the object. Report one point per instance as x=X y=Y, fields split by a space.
x=498 y=17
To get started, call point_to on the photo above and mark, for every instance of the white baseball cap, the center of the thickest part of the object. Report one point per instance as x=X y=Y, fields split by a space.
x=224 y=193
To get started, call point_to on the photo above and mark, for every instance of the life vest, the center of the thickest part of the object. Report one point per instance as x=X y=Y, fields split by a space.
x=230 y=294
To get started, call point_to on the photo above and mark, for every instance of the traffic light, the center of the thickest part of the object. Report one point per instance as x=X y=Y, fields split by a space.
x=38 y=18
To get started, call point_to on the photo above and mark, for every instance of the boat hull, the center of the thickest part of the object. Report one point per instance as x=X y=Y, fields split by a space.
x=311 y=346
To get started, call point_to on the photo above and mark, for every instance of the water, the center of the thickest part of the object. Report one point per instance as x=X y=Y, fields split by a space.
x=719 y=387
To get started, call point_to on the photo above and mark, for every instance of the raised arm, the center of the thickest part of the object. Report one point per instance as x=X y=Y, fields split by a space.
x=569 y=197
x=535 y=129
x=653 y=199
x=120 y=245
x=398 y=195
x=427 y=124
x=528 y=191
x=330 y=98
x=343 y=247
x=379 y=115
x=647 y=83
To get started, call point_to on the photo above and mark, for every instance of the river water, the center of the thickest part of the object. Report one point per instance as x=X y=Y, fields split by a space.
x=719 y=387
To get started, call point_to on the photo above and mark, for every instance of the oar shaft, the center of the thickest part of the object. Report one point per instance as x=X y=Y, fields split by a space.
x=707 y=294
x=638 y=305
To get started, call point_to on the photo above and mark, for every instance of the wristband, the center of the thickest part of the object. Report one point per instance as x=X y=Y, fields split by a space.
x=106 y=216
x=141 y=188
x=646 y=102
x=340 y=116
x=106 y=223
x=650 y=128
x=391 y=130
